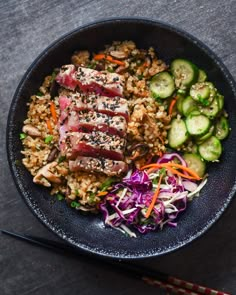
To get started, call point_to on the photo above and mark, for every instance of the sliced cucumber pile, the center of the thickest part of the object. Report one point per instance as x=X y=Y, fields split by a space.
x=199 y=119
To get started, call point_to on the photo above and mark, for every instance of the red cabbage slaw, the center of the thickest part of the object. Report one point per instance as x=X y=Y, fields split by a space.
x=125 y=206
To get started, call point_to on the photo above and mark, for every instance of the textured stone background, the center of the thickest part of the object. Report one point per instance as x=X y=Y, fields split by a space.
x=27 y=27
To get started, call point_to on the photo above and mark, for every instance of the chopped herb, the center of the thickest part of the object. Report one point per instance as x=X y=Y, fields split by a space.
x=22 y=135
x=92 y=65
x=53 y=76
x=110 y=70
x=60 y=197
x=74 y=204
x=140 y=77
x=39 y=93
x=106 y=184
x=163 y=171
x=76 y=192
x=61 y=159
x=91 y=198
x=155 y=181
x=48 y=139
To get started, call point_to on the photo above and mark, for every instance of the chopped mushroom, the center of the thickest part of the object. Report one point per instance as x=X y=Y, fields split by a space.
x=118 y=54
x=44 y=176
x=31 y=130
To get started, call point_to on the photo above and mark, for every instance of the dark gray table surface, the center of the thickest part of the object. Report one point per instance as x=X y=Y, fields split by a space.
x=27 y=27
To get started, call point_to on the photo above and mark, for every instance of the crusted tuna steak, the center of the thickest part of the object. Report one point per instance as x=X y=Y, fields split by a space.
x=92 y=121
x=110 y=84
x=67 y=77
x=95 y=144
x=88 y=80
x=111 y=106
x=102 y=165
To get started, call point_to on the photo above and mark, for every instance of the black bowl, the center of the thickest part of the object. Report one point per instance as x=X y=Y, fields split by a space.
x=88 y=232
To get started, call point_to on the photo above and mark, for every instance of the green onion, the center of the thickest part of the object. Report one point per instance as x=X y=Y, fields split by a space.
x=53 y=76
x=106 y=184
x=60 y=197
x=110 y=70
x=140 y=77
x=61 y=159
x=76 y=192
x=22 y=135
x=74 y=204
x=39 y=93
x=48 y=139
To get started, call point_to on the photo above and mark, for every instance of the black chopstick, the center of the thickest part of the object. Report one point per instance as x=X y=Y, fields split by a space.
x=148 y=275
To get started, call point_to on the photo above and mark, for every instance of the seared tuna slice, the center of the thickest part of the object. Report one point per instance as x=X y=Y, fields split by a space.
x=115 y=106
x=93 y=121
x=106 y=166
x=96 y=144
x=110 y=84
x=67 y=77
x=111 y=106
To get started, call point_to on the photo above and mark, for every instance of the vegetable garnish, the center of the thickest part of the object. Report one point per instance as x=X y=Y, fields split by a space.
x=22 y=135
x=109 y=58
x=49 y=126
x=147 y=200
x=60 y=197
x=53 y=111
x=48 y=139
x=102 y=194
x=172 y=167
x=172 y=104
x=150 y=208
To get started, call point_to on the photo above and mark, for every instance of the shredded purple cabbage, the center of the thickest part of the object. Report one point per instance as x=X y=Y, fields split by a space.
x=128 y=201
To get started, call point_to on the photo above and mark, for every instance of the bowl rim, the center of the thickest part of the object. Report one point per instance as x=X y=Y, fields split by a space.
x=45 y=220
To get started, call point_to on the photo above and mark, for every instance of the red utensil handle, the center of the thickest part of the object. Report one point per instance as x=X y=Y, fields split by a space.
x=195 y=287
x=169 y=287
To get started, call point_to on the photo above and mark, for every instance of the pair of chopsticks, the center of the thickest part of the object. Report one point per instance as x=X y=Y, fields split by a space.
x=149 y=276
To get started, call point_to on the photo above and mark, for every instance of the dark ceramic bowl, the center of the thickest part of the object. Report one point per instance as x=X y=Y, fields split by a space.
x=88 y=232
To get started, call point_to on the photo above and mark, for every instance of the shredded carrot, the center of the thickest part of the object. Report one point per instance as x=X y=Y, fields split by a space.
x=171 y=167
x=49 y=126
x=118 y=62
x=99 y=56
x=150 y=208
x=145 y=64
x=53 y=111
x=172 y=104
x=102 y=194
x=160 y=154
x=109 y=58
x=191 y=172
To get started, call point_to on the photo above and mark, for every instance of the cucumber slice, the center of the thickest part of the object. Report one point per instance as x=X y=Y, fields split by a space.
x=220 y=100
x=197 y=124
x=202 y=76
x=211 y=149
x=200 y=91
x=178 y=133
x=188 y=106
x=222 y=128
x=162 y=85
x=184 y=72
x=195 y=163
x=212 y=110
x=179 y=103
x=201 y=139
x=203 y=93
